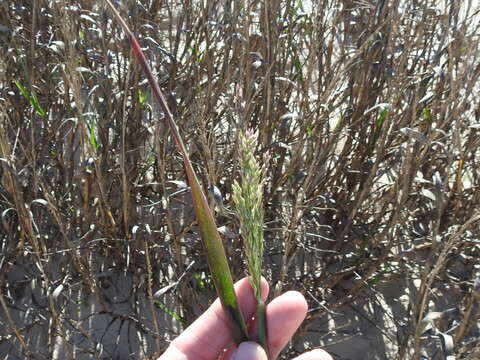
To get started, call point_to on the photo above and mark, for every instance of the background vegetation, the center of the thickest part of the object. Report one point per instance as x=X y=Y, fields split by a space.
x=367 y=116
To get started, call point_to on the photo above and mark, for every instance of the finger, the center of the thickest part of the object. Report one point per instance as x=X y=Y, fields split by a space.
x=317 y=354
x=284 y=315
x=210 y=334
x=249 y=350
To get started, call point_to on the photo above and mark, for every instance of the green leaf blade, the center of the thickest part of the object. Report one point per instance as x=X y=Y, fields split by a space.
x=208 y=230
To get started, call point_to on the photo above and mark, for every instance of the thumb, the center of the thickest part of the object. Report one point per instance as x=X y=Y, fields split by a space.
x=249 y=350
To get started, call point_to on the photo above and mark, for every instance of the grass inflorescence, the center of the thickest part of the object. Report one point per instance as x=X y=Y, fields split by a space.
x=248 y=199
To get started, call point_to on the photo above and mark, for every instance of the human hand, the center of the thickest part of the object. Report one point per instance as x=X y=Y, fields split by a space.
x=208 y=338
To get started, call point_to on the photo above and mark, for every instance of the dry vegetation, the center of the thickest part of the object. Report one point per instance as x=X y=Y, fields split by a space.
x=368 y=112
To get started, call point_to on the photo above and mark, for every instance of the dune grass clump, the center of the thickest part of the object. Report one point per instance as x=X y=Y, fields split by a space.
x=369 y=111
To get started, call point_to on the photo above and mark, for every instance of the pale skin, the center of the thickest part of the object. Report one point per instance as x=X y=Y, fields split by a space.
x=208 y=338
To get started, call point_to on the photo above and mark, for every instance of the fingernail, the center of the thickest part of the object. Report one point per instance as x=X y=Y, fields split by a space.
x=249 y=350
